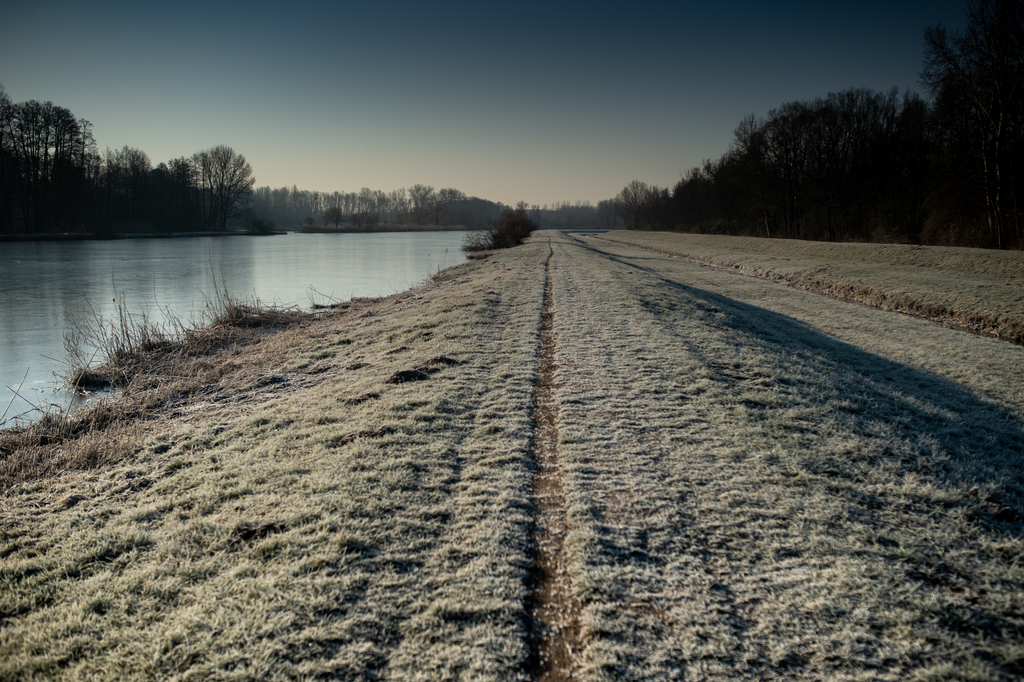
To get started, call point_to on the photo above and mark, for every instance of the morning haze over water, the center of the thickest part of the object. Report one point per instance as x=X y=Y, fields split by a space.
x=42 y=283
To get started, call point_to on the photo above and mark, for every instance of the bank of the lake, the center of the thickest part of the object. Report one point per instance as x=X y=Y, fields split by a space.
x=90 y=236
x=758 y=483
x=47 y=288
x=345 y=228
x=349 y=228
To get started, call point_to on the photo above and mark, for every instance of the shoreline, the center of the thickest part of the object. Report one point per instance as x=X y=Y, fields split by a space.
x=384 y=227
x=83 y=236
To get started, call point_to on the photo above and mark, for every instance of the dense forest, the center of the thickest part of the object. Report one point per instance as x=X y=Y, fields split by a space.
x=866 y=166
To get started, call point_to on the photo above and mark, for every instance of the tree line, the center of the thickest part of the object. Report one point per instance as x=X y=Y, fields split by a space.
x=417 y=205
x=866 y=166
x=54 y=179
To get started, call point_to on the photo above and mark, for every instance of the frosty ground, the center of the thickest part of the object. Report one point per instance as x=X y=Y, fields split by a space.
x=759 y=481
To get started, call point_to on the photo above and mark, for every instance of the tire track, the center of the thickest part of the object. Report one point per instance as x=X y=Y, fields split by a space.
x=555 y=613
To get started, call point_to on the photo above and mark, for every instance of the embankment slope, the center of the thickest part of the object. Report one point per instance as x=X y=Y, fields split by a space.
x=763 y=484
x=976 y=290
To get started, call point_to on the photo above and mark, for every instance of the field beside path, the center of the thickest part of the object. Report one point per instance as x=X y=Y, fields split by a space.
x=763 y=485
x=754 y=482
x=976 y=290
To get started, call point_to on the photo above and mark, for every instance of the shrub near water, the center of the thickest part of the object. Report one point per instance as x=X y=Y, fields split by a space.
x=149 y=363
x=509 y=229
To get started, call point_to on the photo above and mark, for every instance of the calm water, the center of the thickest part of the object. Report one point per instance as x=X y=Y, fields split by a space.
x=41 y=283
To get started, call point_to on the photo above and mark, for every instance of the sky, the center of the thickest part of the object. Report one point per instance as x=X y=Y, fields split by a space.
x=517 y=101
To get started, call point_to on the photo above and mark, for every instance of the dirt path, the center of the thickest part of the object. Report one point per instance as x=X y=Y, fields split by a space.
x=555 y=637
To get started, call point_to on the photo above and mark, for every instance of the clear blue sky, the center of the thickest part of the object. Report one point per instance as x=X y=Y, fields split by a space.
x=539 y=102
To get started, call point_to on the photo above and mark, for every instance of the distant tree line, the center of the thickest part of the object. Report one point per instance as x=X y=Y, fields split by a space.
x=578 y=214
x=54 y=179
x=419 y=205
x=865 y=166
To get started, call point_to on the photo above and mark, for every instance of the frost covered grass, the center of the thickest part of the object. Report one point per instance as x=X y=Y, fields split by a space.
x=993 y=367
x=752 y=498
x=760 y=483
x=978 y=290
x=302 y=515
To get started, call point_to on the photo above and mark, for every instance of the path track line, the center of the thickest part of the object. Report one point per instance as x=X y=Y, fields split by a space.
x=555 y=626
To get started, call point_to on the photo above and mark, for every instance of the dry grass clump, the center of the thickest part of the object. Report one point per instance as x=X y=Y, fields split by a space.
x=975 y=290
x=147 y=365
x=61 y=442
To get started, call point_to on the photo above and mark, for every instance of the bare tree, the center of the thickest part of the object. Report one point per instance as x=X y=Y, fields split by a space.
x=127 y=177
x=7 y=175
x=984 y=65
x=398 y=204
x=606 y=210
x=42 y=145
x=439 y=202
x=334 y=214
x=421 y=196
x=226 y=181
x=631 y=205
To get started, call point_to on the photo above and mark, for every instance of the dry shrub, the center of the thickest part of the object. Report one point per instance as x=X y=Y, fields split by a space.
x=257 y=315
x=509 y=229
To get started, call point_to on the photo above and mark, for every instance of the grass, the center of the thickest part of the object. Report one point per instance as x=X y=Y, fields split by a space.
x=149 y=365
x=976 y=290
x=752 y=498
x=297 y=515
x=761 y=483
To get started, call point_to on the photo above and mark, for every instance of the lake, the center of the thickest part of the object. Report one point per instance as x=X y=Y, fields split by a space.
x=43 y=283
